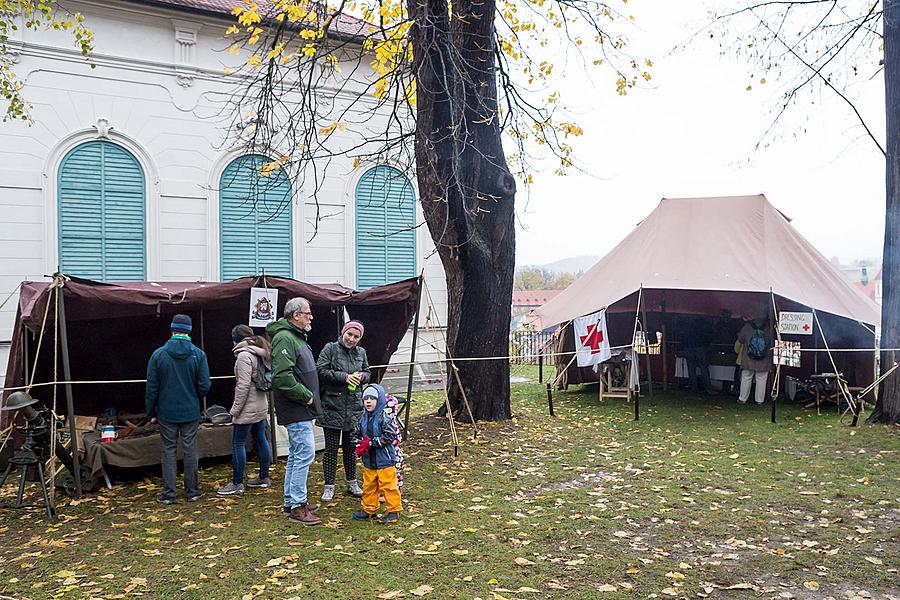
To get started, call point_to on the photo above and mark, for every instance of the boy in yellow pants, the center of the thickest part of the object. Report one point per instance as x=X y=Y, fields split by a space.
x=375 y=435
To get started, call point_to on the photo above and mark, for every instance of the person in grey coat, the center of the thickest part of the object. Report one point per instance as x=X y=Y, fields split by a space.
x=249 y=410
x=756 y=339
x=343 y=369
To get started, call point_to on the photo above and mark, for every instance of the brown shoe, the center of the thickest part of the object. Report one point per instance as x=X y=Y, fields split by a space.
x=312 y=508
x=302 y=514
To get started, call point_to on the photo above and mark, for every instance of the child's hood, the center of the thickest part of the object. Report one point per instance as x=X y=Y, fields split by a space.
x=380 y=403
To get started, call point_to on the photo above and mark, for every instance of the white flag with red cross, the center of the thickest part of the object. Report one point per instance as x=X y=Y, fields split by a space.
x=591 y=339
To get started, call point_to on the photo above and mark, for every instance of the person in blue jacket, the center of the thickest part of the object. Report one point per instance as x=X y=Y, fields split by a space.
x=177 y=381
x=375 y=434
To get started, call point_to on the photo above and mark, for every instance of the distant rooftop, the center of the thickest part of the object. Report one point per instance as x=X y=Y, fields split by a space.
x=532 y=297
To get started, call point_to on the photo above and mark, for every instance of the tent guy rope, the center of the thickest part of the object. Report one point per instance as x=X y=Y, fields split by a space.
x=405 y=364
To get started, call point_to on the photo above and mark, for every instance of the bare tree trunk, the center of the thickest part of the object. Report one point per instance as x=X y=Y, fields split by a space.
x=888 y=408
x=467 y=192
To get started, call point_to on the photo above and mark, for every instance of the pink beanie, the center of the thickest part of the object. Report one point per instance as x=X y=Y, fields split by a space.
x=353 y=325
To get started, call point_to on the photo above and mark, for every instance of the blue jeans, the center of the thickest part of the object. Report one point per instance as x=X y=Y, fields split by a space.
x=239 y=435
x=301 y=453
x=169 y=434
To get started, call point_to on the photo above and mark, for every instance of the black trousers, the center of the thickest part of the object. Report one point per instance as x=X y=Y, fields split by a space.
x=334 y=439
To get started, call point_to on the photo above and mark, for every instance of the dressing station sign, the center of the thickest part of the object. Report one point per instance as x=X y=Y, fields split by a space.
x=795 y=323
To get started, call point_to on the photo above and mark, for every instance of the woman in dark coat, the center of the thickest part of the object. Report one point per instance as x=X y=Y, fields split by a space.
x=343 y=372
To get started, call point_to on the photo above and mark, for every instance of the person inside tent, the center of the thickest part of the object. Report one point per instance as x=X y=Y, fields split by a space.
x=756 y=358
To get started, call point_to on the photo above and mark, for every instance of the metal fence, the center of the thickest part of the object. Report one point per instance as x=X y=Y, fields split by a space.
x=525 y=346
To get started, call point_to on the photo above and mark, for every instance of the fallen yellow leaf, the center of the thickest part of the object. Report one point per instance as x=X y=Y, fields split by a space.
x=422 y=590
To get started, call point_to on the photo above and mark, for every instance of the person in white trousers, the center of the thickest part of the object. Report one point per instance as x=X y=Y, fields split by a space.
x=756 y=358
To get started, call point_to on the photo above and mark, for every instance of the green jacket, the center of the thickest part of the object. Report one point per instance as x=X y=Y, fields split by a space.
x=295 y=384
x=341 y=408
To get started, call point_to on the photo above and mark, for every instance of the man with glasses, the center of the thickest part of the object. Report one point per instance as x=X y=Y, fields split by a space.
x=295 y=387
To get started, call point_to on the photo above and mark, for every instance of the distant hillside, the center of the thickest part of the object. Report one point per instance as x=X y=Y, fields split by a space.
x=573 y=264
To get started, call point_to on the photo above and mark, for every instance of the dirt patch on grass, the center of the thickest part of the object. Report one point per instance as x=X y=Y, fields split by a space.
x=585 y=480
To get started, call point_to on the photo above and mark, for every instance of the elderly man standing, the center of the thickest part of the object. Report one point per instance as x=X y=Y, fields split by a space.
x=295 y=387
x=177 y=380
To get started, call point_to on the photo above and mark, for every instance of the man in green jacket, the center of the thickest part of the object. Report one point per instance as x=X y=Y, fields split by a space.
x=177 y=380
x=295 y=388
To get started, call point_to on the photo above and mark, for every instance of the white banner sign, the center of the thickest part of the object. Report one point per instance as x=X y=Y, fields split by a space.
x=263 y=306
x=795 y=323
x=591 y=339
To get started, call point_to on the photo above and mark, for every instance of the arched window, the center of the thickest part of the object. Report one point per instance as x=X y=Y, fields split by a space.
x=254 y=220
x=385 y=228
x=102 y=232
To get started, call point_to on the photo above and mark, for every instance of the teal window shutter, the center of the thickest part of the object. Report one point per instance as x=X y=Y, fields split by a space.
x=254 y=220
x=101 y=204
x=385 y=228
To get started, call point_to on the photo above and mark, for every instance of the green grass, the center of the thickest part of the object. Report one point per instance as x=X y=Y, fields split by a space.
x=698 y=496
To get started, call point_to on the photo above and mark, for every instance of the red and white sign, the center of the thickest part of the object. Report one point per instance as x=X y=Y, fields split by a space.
x=591 y=339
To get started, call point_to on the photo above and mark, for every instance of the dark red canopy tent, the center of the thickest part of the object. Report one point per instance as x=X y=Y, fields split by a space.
x=114 y=327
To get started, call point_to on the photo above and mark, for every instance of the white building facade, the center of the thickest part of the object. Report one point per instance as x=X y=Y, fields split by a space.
x=126 y=174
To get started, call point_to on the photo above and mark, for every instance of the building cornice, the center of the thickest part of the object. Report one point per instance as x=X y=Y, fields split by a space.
x=139 y=65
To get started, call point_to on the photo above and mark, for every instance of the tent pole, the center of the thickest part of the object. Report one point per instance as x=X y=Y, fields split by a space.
x=778 y=366
x=663 y=348
x=816 y=347
x=272 y=423
x=647 y=345
x=635 y=357
x=412 y=356
x=273 y=439
x=202 y=347
x=26 y=367
x=67 y=374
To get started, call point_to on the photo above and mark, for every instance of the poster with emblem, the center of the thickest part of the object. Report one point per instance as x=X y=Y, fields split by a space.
x=263 y=306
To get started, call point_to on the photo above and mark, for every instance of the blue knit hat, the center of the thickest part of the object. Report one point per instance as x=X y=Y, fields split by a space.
x=181 y=323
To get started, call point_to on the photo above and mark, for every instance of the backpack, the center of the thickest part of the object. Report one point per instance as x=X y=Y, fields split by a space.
x=757 y=348
x=263 y=379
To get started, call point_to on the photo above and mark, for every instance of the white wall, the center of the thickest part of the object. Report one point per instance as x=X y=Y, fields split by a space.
x=156 y=96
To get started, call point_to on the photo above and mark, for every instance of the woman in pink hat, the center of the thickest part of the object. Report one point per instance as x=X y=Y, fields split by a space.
x=343 y=372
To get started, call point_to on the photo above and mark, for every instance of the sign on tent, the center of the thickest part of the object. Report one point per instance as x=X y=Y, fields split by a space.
x=795 y=323
x=263 y=306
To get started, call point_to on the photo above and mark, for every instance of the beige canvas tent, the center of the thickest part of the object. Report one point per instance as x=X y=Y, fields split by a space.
x=736 y=243
x=715 y=256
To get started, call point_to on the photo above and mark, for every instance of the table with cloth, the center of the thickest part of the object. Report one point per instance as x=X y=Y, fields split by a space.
x=146 y=450
x=718 y=372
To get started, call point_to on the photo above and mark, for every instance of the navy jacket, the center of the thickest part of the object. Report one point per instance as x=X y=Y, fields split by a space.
x=382 y=431
x=177 y=379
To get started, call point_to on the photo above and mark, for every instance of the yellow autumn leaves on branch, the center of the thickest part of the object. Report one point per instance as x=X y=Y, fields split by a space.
x=32 y=15
x=299 y=33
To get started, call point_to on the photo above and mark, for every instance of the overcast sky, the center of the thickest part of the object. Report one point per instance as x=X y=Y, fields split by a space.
x=692 y=132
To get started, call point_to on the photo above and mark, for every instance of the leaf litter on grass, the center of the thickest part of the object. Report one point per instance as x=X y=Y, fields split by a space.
x=685 y=502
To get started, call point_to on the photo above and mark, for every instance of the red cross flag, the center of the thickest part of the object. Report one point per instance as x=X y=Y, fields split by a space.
x=591 y=339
